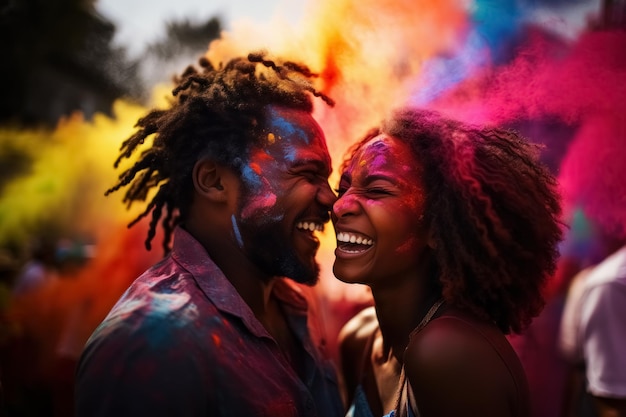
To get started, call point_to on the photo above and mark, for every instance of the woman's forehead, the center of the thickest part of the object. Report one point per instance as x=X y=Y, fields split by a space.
x=380 y=151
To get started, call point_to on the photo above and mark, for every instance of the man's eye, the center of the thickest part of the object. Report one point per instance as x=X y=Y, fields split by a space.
x=340 y=191
x=310 y=175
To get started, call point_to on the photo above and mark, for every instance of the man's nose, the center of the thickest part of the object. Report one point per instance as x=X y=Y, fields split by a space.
x=326 y=196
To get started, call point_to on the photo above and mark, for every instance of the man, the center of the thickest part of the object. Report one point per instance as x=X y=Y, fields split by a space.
x=241 y=169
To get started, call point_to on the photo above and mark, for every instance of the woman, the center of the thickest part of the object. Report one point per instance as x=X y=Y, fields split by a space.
x=455 y=229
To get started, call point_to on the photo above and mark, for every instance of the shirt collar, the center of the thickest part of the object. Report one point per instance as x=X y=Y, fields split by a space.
x=192 y=256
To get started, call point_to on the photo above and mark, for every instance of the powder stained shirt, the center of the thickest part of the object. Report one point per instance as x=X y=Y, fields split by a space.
x=181 y=341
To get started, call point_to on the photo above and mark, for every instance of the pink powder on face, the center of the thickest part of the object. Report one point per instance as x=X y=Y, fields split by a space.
x=382 y=156
x=409 y=245
x=261 y=197
x=257 y=159
x=255 y=167
x=343 y=202
x=379 y=152
x=259 y=204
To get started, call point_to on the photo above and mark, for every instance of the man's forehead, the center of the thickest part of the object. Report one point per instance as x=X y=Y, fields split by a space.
x=292 y=123
x=295 y=132
x=293 y=152
x=320 y=160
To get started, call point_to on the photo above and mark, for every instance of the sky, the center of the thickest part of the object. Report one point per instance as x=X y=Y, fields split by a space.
x=139 y=22
x=142 y=21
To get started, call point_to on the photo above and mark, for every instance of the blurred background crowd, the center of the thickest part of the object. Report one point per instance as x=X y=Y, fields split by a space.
x=79 y=73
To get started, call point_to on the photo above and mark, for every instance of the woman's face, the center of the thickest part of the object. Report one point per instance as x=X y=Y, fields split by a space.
x=378 y=216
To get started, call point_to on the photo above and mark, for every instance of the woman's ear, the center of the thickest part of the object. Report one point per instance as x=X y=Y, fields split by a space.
x=207 y=180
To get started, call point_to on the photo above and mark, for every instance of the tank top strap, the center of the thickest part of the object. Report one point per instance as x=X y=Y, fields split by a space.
x=405 y=404
x=428 y=317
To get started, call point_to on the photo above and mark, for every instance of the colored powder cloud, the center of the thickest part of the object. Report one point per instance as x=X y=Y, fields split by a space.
x=483 y=63
x=592 y=172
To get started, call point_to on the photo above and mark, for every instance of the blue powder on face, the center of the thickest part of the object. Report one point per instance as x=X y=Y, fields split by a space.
x=236 y=230
x=277 y=218
x=251 y=178
x=290 y=153
x=285 y=127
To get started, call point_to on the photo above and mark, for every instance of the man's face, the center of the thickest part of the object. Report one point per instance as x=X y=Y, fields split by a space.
x=286 y=196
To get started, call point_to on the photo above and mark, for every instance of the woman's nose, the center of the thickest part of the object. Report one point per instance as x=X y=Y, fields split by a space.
x=345 y=205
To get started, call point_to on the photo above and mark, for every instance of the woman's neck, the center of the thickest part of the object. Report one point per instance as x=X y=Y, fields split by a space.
x=399 y=310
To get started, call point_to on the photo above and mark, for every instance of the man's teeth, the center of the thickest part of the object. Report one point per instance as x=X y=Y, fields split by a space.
x=314 y=227
x=351 y=238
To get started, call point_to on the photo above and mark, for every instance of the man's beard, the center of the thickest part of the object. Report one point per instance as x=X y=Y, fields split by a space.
x=272 y=252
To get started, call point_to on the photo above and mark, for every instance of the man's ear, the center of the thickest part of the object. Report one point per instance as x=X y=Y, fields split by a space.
x=207 y=180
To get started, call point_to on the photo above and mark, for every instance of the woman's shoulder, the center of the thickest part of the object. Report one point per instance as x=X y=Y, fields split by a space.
x=456 y=335
x=457 y=357
x=450 y=335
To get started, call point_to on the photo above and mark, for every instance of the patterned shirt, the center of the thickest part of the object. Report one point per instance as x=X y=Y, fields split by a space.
x=182 y=342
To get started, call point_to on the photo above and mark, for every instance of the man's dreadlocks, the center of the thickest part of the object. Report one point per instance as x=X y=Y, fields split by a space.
x=217 y=113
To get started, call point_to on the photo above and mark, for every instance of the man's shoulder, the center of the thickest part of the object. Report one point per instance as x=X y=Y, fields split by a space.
x=163 y=303
x=159 y=328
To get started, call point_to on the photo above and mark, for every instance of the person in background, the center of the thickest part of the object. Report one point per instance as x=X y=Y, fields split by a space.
x=238 y=176
x=455 y=229
x=40 y=270
x=592 y=335
x=593 y=325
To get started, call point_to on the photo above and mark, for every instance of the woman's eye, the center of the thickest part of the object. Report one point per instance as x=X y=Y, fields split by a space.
x=377 y=191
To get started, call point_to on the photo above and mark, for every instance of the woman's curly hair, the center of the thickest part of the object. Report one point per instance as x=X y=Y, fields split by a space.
x=217 y=112
x=493 y=209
